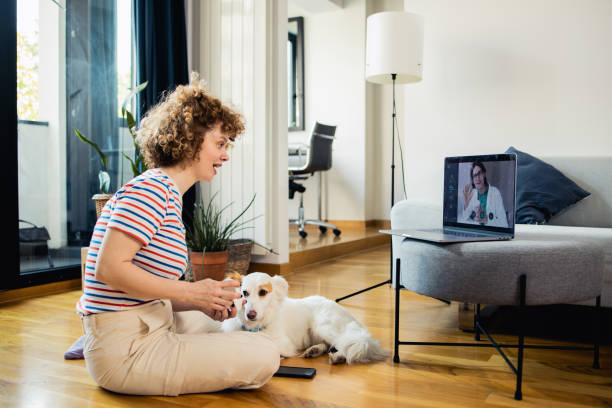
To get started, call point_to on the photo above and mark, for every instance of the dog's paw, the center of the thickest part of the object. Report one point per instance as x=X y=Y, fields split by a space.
x=336 y=358
x=315 y=351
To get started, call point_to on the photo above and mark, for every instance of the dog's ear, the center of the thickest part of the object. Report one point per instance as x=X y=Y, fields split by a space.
x=235 y=276
x=280 y=286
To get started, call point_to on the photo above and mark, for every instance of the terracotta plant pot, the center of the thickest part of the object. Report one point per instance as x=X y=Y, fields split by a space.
x=212 y=266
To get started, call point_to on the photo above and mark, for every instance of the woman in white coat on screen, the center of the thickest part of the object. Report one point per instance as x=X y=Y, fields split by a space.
x=482 y=202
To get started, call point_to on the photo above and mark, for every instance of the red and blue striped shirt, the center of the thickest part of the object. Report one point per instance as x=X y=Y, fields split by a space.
x=148 y=208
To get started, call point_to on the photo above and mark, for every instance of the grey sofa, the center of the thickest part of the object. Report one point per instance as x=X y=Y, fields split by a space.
x=588 y=220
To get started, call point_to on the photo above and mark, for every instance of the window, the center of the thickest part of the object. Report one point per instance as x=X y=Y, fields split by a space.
x=27 y=60
x=74 y=68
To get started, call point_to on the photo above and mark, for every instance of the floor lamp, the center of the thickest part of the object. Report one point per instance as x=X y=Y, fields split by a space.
x=394 y=54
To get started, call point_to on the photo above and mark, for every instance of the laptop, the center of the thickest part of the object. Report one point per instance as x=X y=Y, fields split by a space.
x=479 y=201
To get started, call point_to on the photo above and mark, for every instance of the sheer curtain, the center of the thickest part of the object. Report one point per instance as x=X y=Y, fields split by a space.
x=237 y=55
x=91 y=106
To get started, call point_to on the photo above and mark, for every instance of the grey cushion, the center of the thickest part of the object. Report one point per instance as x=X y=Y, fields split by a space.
x=558 y=270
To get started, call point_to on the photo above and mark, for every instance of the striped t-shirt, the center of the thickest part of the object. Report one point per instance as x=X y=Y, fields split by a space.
x=147 y=208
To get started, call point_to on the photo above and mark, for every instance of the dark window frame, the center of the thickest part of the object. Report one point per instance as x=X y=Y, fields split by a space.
x=12 y=278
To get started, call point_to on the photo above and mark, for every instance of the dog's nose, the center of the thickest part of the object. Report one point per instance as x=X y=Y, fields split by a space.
x=252 y=315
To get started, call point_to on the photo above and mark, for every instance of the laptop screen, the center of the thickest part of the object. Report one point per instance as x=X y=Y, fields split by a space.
x=480 y=192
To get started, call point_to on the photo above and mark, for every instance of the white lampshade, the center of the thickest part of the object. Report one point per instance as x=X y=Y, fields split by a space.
x=394 y=45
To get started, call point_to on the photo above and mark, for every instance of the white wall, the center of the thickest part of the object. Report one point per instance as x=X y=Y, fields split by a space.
x=343 y=93
x=532 y=74
x=334 y=65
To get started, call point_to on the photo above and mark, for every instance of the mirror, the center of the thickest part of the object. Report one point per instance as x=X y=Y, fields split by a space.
x=295 y=71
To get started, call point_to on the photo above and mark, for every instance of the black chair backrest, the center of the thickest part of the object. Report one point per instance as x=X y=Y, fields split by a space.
x=321 y=147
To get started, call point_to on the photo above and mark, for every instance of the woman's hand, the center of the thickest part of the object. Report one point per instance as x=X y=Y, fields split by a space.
x=468 y=192
x=481 y=216
x=221 y=315
x=215 y=298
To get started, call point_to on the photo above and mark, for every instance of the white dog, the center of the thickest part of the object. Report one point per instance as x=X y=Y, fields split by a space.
x=305 y=327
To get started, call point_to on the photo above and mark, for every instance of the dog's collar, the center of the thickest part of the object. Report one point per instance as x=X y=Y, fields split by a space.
x=253 y=330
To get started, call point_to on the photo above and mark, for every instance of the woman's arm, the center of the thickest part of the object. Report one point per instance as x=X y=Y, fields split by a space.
x=467 y=211
x=115 y=268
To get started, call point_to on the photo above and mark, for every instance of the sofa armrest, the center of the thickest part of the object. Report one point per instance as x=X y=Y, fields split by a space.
x=411 y=214
x=416 y=214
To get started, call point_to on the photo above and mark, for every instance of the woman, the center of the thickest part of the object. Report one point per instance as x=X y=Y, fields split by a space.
x=146 y=332
x=482 y=202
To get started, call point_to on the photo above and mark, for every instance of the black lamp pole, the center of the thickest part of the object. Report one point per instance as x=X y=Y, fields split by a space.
x=390 y=280
x=393 y=76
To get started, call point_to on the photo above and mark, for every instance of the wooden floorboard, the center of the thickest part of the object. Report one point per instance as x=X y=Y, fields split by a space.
x=318 y=247
x=34 y=334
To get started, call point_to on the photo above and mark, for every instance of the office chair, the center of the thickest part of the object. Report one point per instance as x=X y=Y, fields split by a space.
x=304 y=161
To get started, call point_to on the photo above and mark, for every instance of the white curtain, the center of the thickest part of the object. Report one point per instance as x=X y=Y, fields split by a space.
x=234 y=58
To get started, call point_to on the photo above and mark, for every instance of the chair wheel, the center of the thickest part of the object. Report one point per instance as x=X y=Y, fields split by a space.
x=303 y=234
x=337 y=232
x=322 y=229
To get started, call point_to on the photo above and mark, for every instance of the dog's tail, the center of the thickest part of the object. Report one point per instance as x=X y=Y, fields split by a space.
x=358 y=346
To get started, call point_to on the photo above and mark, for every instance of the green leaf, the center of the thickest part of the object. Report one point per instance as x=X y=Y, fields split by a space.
x=209 y=232
x=271 y=250
x=84 y=139
x=128 y=157
x=135 y=169
x=131 y=123
x=137 y=164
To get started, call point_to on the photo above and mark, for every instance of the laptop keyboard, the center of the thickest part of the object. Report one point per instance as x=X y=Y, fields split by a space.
x=456 y=233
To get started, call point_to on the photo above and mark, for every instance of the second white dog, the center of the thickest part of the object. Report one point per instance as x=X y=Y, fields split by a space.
x=305 y=327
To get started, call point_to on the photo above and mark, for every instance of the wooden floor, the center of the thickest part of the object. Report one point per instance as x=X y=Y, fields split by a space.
x=318 y=247
x=315 y=239
x=34 y=333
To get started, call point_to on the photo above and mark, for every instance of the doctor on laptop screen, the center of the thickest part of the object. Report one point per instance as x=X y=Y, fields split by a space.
x=479 y=192
x=478 y=201
x=481 y=202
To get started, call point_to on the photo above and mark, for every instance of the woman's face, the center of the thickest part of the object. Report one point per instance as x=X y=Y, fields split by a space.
x=478 y=177
x=212 y=154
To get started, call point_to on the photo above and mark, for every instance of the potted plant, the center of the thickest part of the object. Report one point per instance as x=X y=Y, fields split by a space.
x=103 y=196
x=137 y=164
x=209 y=238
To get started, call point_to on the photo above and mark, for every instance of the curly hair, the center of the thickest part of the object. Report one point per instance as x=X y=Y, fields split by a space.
x=174 y=129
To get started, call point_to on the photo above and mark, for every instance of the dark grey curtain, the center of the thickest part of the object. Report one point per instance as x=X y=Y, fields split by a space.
x=91 y=90
x=161 y=48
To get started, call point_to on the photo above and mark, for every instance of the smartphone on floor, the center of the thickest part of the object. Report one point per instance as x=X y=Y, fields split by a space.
x=295 y=372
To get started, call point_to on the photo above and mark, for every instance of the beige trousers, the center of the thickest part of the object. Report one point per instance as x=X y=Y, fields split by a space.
x=152 y=350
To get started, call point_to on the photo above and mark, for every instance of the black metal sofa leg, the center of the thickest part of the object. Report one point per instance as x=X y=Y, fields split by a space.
x=397 y=299
x=596 y=328
x=477 y=322
x=518 y=394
